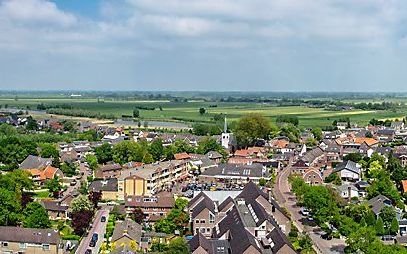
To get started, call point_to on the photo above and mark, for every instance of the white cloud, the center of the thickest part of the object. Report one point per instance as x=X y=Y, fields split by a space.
x=34 y=12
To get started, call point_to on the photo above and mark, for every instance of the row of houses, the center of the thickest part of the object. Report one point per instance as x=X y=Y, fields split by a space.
x=249 y=221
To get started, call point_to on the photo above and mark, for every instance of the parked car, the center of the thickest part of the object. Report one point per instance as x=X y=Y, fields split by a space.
x=103 y=219
x=304 y=211
x=92 y=243
x=326 y=236
x=73 y=183
x=88 y=251
x=95 y=237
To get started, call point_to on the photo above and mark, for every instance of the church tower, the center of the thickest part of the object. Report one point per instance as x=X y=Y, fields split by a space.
x=225 y=135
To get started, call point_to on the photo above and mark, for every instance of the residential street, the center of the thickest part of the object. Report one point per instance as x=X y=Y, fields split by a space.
x=287 y=199
x=97 y=227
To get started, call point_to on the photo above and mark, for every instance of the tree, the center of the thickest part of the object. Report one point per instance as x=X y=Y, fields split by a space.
x=50 y=151
x=95 y=197
x=148 y=158
x=178 y=245
x=137 y=215
x=379 y=227
x=136 y=113
x=54 y=186
x=145 y=124
x=317 y=132
x=156 y=149
x=208 y=144
x=262 y=182
x=394 y=226
x=361 y=240
x=370 y=218
x=176 y=219
x=16 y=181
x=81 y=220
x=311 y=142
x=250 y=128
x=334 y=178
x=305 y=242
x=127 y=151
x=81 y=203
x=9 y=208
x=68 y=168
x=35 y=216
x=202 y=111
x=284 y=119
x=387 y=214
x=104 y=153
x=31 y=124
x=355 y=157
x=92 y=161
x=385 y=186
x=320 y=202
x=374 y=169
x=291 y=132
x=69 y=125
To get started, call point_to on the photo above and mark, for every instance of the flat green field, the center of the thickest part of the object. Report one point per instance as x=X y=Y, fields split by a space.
x=189 y=111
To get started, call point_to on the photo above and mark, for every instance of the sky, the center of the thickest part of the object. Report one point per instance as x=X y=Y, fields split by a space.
x=205 y=45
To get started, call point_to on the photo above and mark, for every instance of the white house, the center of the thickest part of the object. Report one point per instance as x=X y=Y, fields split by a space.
x=349 y=170
x=348 y=191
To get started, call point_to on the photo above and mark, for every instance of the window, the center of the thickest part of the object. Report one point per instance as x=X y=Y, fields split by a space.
x=202 y=230
x=211 y=218
x=23 y=245
x=197 y=221
x=208 y=230
x=45 y=246
x=202 y=221
x=197 y=230
x=4 y=244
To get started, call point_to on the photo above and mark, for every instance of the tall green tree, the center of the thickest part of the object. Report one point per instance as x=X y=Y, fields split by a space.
x=156 y=149
x=35 y=216
x=394 y=226
x=104 y=153
x=387 y=214
x=379 y=227
x=92 y=161
x=250 y=128
x=10 y=208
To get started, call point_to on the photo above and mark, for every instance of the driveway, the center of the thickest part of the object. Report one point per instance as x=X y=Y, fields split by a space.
x=97 y=227
x=287 y=199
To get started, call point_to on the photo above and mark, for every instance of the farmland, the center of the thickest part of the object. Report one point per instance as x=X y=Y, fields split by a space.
x=166 y=110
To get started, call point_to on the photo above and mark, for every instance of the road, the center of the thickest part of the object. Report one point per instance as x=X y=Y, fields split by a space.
x=97 y=227
x=286 y=198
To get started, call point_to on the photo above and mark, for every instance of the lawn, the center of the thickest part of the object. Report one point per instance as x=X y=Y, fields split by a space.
x=189 y=111
x=41 y=194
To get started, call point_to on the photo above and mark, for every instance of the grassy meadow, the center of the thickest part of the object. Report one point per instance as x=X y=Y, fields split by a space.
x=189 y=111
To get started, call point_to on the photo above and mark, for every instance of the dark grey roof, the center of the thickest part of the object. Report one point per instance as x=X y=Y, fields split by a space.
x=214 y=155
x=211 y=246
x=313 y=154
x=279 y=240
x=378 y=202
x=237 y=170
x=128 y=228
x=29 y=235
x=52 y=205
x=386 y=132
x=348 y=165
x=225 y=203
x=32 y=162
x=200 y=240
x=383 y=150
x=204 y=203
x=104 y=185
